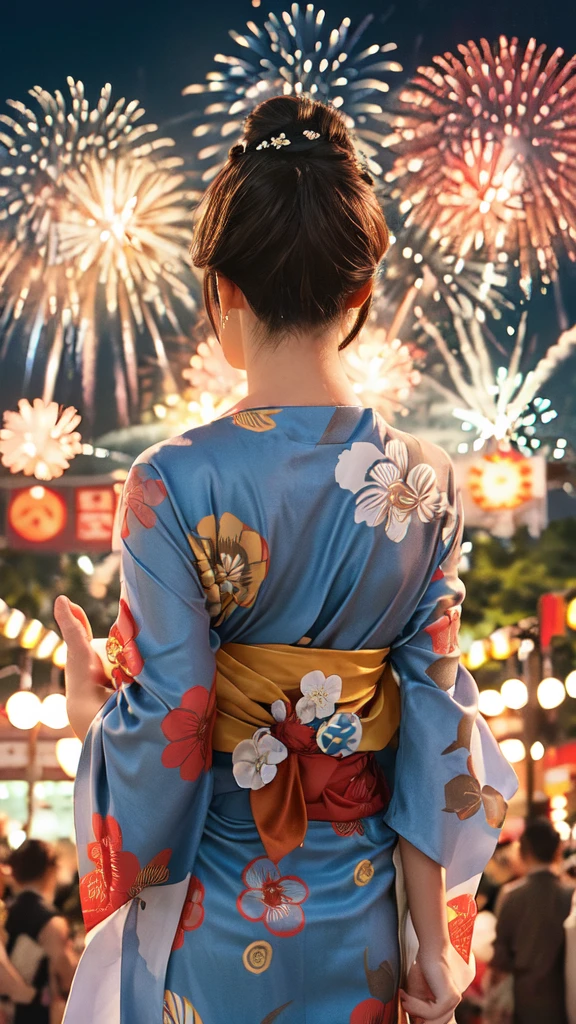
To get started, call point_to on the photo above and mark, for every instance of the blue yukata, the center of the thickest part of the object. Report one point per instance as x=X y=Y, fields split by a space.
x=287 y=700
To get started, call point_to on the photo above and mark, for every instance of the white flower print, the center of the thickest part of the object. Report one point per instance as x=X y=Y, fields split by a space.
x=387 y=492
x=320 y=694
x=254 y=761
x=278 y=709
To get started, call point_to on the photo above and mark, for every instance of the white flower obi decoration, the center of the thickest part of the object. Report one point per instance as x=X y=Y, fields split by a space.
x=320 y=694
x=387 y=492
x=341 y=735
x=254 y=761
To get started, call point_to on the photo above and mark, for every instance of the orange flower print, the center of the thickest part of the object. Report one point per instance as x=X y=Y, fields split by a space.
x=122 y=649
x=117 y=876
x=189 y=729
x=141 y=493
x=444 y=632
x=192 y=912
x=232 y=563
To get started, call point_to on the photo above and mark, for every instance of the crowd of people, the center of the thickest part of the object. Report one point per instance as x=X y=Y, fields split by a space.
x=41 y=933
x=524 y=938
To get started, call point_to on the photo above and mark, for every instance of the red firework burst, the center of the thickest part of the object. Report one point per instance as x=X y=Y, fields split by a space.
x=485 y=145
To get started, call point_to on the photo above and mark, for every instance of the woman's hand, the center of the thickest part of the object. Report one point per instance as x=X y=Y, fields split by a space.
x=86 y=691
x=431 y=995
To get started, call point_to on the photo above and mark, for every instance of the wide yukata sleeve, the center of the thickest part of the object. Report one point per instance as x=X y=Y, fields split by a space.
x=144 y=780
x=451 y=780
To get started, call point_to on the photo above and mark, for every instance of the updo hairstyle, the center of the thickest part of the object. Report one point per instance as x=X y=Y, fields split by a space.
x=297 y=228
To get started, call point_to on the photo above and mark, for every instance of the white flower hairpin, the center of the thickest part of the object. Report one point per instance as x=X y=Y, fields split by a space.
x=277 y=141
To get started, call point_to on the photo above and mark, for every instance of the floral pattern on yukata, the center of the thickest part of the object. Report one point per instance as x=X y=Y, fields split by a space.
x=273 y=898
x=122 y=648
x=386 y=490
x=257 y=420
x=232 y=563
x=117 y=876
x=179 y=1010
x=140 y=496
x=192 y=914
x=189 y=730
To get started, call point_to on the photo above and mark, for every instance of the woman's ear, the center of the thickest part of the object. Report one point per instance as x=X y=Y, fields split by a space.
x=358 y=298
x=229 y=294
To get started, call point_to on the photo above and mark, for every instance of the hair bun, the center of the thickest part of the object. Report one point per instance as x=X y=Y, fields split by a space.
x=236 y=151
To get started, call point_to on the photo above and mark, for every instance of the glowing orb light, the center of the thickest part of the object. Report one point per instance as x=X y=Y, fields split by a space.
x=551 y=693
x=515 y=694
x=68 y=752
x=513 y=750
x=491 y=703
x=53 y=711
x=23 y=709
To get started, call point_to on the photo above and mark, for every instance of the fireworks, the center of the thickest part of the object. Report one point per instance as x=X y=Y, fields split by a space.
x=93 y=235
x=295 y=54
x=501 y=403
x=40 y=440
x=486 y=154
x=416 y=262
x=214 y=385
x=382 y=372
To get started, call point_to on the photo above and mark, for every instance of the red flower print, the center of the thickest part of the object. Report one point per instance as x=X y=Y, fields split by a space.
x=122 y=649
x=117 y=876
x=140 y=494
x=444 y=632
x=272 y=898
x=189 y=729
x=374 y=1011
x=192 y=912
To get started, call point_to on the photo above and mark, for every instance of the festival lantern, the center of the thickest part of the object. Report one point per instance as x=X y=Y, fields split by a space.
x=502 y=480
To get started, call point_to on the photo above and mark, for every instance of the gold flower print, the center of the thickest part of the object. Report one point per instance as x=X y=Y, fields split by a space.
x=232 y=563
x=258 y=420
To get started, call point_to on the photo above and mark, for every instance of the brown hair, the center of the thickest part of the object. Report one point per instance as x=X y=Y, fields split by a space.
x=32 y=860
x=296 y=228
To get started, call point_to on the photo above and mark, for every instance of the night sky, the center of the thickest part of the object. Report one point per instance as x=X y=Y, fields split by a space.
x=152 y=50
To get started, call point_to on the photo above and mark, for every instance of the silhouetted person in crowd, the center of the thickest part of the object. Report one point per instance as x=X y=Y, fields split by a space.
x=530 y=930
x=38 y=937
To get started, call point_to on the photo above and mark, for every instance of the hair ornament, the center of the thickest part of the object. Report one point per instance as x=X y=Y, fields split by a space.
x=278 y=141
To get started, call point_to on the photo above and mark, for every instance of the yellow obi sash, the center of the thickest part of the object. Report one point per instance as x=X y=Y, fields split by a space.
x=250 y=678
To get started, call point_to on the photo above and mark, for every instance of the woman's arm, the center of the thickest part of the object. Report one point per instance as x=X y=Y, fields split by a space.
x=432 y=994
x=12 y=983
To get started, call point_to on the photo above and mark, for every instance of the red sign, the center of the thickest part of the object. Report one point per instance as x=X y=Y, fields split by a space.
x=79 y=518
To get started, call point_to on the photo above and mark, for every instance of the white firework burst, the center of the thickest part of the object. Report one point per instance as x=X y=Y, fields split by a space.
x=72 y=174
x=295 y=53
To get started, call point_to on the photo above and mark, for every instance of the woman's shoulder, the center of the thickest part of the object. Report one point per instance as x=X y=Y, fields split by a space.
x=418 y=450
x=192 y=447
